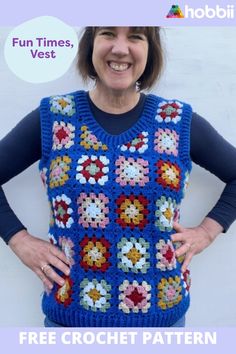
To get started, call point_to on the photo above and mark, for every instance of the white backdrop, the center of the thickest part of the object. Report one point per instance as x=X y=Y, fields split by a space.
x=200 y=70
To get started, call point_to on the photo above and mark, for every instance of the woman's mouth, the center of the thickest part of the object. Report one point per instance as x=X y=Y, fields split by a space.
x=119 y=66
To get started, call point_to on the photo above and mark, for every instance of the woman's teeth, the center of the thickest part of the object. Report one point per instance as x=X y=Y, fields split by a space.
x=118 y=67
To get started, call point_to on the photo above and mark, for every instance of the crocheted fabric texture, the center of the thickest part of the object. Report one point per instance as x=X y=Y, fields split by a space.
x=113 y=200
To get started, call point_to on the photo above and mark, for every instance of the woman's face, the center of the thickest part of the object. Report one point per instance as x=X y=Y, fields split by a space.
x=119 y=57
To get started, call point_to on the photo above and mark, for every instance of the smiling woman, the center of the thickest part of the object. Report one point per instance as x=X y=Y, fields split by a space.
x=122 y=60
x=119 y=59
x=116 y=164
x=151 y=35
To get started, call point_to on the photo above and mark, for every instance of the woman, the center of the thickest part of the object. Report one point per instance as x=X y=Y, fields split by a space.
x=116 y=164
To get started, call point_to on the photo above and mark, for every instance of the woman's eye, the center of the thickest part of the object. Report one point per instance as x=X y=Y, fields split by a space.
x=137 y=36
x=107 y=33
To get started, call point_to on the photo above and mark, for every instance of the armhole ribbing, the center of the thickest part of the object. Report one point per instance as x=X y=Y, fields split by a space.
x=46 y=131
x=185 y=136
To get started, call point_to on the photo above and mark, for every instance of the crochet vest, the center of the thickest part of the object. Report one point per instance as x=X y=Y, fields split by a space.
x=113 y=200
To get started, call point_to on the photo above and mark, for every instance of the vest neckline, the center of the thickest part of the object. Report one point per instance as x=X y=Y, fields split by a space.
x=144 y=122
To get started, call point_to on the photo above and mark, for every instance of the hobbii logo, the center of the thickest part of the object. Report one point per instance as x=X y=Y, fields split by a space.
x=209 y=12
x=198 y=13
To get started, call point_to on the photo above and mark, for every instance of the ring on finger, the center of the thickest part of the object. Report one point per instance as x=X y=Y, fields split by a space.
x=45 y=267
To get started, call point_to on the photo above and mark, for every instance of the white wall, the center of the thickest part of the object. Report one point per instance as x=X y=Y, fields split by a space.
x=200 y=70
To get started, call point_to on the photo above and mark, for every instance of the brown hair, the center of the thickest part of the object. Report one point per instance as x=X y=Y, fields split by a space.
x=154 y=64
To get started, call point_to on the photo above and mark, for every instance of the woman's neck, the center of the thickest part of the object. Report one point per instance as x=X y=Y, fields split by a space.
x=115 y=103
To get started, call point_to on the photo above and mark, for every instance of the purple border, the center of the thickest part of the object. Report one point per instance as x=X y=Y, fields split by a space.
x=105 y=12
x=225 y=341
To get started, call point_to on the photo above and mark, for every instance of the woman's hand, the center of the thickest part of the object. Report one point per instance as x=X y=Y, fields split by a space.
x=40 y=256
x=195 y=239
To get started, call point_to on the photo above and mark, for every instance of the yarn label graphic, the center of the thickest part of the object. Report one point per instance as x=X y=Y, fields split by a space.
x=208 y=12
x=175 y=12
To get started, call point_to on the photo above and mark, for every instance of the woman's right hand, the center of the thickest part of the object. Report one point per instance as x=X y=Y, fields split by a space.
x=40 y=256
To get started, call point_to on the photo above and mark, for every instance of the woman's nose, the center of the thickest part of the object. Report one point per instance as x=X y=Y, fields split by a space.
x=120 y=46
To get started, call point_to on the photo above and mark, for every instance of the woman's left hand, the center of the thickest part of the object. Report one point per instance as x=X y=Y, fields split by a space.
x=194 y=240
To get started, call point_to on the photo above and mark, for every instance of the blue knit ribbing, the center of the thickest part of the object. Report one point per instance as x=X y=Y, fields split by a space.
x=46 y=130
x=116 y=192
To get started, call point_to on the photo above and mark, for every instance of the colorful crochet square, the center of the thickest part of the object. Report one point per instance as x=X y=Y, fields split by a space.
x=132 y=211
x=63 y=294
x=95 y=295
x=169 y=292
x=165 y=213
x=166 y=141
x=165 y=255
x=132 y=172
x=58 y=169
x=168 y=174
x=133 y=255
x=93 y=210
x=95 y=253
x=63 y=135
x=140 y=143
x=90 y=141
x=134 y=297
x=92 y=169
x=186 y=281
x=62 y=211
x=64 y=105
x=67 y=247
x=169 y=111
